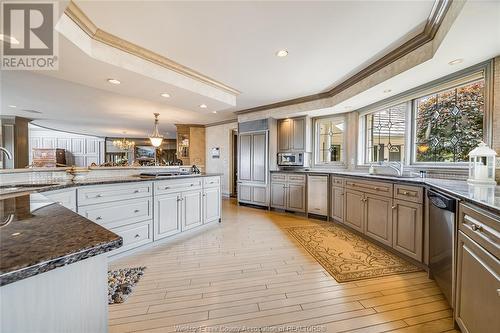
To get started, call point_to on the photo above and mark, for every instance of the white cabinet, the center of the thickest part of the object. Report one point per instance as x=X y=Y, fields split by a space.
x=167 y=221
x=65 y=197
x=317 y=195
x=211 y=204
x=191 y=207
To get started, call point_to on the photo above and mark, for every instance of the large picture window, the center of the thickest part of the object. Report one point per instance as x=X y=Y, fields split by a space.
x=385 y=134
x=449 y=123
x=329 y=135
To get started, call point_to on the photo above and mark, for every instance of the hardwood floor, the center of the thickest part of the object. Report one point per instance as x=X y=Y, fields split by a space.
x=248 y=273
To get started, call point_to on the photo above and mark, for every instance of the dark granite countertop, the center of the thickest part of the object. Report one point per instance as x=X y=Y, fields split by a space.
x=483 y=196
x=37 y=235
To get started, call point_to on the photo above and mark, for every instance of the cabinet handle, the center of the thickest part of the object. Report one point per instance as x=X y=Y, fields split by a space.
x=498 y=292
x=393 y=207
x=136 y=191
x=191 y=185
x=166 y=187
x=98 y=196
x=136 y=211
x=476 y=227
x=376 y=188
x=98 y=218
x=137 y=236
x=59 y=203
x=405 y=192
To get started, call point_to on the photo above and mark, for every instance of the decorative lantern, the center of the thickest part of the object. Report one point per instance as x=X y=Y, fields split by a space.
x=482 y=165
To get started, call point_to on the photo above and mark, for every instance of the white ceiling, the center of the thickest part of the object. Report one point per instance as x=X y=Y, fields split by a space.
x=234 y=43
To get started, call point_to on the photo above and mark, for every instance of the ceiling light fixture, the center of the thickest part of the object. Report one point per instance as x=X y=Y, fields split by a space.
x=455 y=62
x=203 y=106
x=123 y=144
x=9 y=39
x=156 y=139
x=387 y=91
x=12 y=106
x=114 y=81
x=282 y=53
x=165 y=95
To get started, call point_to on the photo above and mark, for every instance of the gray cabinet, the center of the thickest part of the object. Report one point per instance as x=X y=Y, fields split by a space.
x=354 y=210
x=296 y=198
x=292 y=134
x=288 y=191
x=245 y=157
x=337 y=203
x=378 y=218
x=407 y=229
x=278 y=195
x=317 y=194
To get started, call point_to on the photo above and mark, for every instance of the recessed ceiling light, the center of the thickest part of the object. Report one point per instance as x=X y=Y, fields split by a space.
x=455 y=62
x=12 y=106
x=203 y=106
x=9 y=39
x=165 y=95
x=214 y=111
x=282 y=53
x=114 y=81
x=387 y=91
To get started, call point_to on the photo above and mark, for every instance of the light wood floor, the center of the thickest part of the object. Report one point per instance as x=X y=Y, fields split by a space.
x=247 y=273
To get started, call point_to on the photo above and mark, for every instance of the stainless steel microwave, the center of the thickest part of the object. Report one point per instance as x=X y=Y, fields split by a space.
x=291 y=159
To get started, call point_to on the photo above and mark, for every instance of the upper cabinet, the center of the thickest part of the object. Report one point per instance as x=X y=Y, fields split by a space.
x=293 y=134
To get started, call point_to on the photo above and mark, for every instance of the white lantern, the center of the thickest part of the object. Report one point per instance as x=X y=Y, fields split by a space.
x=482 y=165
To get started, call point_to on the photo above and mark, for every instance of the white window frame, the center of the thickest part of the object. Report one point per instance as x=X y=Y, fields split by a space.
x=316 y=153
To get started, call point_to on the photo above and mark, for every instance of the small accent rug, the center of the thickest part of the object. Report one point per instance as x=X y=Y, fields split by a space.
x=347 y=256
x=121 y=282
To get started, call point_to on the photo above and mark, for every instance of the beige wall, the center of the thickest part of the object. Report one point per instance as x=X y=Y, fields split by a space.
x=220 y=136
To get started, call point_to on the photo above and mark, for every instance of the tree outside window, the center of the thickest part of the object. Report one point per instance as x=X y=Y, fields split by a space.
x=449 y=124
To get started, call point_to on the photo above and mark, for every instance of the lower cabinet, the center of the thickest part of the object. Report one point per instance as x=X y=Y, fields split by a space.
x=354 y=210
x=337 y=204
x=278 y=195
x=253 y=194
x=211 y=204
x=191 y=210
x=134 y=235
x=288 y=196
x=477 y=299
x=407 y=228
x=66 y=197
x=378 y=218
x=167 y=215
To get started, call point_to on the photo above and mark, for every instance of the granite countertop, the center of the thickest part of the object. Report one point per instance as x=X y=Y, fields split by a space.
x=38 y=235
x=488 y=197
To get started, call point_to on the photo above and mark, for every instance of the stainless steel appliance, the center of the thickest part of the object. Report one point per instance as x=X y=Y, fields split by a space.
x=291 y=159
x=442 y=232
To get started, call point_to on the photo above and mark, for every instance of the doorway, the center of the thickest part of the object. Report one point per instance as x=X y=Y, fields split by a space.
x=234 y=171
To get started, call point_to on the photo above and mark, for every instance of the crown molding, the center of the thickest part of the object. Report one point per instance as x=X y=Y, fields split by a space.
x=223 y=122
x=439 y=10
x=83 y=21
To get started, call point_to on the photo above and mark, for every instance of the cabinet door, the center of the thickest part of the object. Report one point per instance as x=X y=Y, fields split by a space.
x=278 y=195
x=298 y=139
x=48 y=142
x=284 y=130
x=407 y=229
x=91 y=146
x=77 y=146
x=259 y=195
x=245 y=157
x=66 y=198
x=354 y=209
x=378 y=221
x=337 y=204
x=245 y=193
x=259 y=150
x=191 y=210
x=296 y=197
x=166 y=215
x=211 y=204
x=63 y=143
x=478 y=288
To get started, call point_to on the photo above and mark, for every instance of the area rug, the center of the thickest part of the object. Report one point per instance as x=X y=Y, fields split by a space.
x=121 y=283
x=347 y=256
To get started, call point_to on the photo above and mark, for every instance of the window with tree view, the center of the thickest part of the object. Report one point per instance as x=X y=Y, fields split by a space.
x=449 y=124
x=330 y=140
x=385 y=134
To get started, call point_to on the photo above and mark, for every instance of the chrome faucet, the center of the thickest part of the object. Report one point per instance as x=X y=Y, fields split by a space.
x=397 y=166
x=6 y=152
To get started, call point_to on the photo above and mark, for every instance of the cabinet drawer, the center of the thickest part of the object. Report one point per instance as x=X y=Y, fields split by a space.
x=337 y=181
x=408 y=193
x=117 y=214
x=380 y=188
x=179 y=185
x=279 y=177
x=296 y=178
x=211 y=181
x=134 y=235
x=107 y=193
x=481 y=226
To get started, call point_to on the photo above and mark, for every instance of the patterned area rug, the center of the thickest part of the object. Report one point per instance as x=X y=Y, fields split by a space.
x=347 y=256
x=121 y=283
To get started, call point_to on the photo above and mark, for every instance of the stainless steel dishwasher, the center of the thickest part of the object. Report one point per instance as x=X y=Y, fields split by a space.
x=441 y=241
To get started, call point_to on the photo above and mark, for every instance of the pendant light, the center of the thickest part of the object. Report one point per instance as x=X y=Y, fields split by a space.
x=156 y=138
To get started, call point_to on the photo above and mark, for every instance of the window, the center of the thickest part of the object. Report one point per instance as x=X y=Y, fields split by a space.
x=385 y=134
x=329 y=140
x=449 y=123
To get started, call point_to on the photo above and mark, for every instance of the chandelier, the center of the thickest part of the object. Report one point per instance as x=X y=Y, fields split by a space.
x=156 y=138
x=123 y=144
